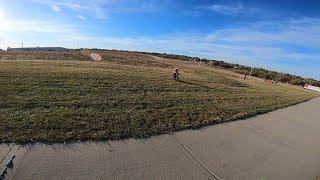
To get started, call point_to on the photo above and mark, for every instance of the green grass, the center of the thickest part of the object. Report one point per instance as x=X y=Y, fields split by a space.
x=55 y=101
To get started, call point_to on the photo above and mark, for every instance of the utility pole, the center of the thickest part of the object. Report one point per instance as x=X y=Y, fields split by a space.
x=250 y=71
x=78 y=49
x=22 y=45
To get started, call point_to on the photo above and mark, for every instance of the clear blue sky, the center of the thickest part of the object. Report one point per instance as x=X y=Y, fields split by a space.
x=281 y=35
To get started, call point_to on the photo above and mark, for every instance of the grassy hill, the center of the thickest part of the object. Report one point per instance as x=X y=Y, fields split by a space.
x=126 y=95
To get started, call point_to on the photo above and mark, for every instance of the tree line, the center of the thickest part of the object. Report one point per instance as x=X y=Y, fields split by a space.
x=256 y=72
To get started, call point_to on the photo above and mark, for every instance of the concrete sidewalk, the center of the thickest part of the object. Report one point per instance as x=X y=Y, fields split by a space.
x=283 y=144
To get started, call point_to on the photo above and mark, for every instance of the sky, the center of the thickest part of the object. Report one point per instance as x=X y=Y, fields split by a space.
x=280 y=35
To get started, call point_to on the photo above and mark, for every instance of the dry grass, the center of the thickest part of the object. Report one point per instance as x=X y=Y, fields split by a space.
x=127 y=95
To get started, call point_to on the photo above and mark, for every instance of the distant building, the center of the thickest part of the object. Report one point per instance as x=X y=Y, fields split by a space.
x=312 y=88
x=1 y=50
x=43 y=49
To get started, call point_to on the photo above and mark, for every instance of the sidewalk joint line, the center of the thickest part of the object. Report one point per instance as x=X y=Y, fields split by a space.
x=197 y=159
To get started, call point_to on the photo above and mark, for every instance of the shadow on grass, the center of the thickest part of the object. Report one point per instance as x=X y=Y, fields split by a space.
x=199 y=85
x=234 y=84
